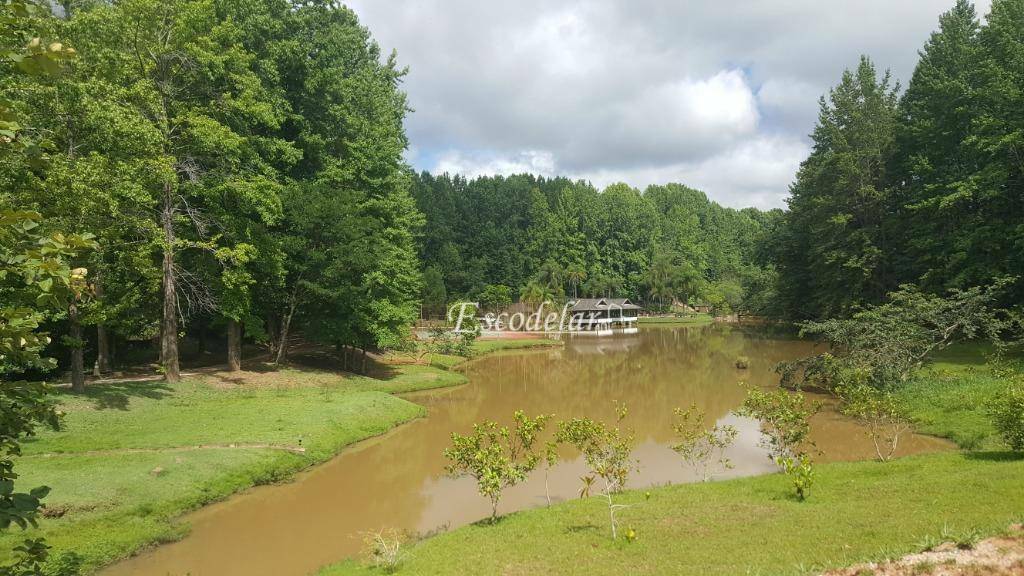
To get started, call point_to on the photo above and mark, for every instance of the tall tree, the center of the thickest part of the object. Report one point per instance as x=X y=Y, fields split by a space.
x=932 y=203
x=832 y=253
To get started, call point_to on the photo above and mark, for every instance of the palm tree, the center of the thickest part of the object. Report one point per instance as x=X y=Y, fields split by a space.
x=552 y=276
x=576 y=275
x=534 y=293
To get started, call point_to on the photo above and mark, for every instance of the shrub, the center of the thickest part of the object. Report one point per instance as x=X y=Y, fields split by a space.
x=496 y=457
x=699 y=445
x=880 y=412
x=608 y=453
x=383 y=549
x=1006 y=410
x=785 y=423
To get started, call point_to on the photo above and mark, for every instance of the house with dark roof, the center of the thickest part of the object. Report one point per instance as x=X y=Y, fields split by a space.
x=603 y=316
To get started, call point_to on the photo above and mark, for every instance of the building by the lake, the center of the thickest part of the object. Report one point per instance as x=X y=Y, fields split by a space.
x=603 y=316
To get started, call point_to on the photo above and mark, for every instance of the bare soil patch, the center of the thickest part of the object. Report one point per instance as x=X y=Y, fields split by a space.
x=1000 y=556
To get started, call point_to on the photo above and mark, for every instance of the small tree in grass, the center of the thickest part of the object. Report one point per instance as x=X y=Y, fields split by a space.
x=700 y=445
x=550 y=459
x=1006 y=411
x=384 y=549
x=785 y=423
x=880 y=412
x=496 y=457
x=608 y=454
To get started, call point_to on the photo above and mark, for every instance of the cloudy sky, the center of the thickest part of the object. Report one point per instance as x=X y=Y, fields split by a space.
x=716 y=95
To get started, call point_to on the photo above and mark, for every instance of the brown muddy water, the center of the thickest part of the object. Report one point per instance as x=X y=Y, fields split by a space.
x=398 y=480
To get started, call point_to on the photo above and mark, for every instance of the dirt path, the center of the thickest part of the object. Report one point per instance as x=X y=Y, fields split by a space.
x=1000 y=556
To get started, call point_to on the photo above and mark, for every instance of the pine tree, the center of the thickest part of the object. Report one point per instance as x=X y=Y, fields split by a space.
x=832 y=253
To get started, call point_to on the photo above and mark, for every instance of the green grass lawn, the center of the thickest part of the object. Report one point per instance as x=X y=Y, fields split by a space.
x=133 y=456
x=675 y=320
x=857 y=511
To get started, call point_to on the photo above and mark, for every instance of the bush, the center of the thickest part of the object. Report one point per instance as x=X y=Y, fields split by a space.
x=1007 y=413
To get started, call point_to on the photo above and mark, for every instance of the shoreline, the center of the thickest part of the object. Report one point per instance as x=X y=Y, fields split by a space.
x=99 y=537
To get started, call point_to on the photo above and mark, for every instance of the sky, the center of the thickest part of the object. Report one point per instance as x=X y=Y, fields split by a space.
x=720 y=96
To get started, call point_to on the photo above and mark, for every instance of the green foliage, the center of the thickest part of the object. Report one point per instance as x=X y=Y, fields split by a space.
x=608 y=453
x=926 y=191
x=830 y=252
x=435 y=296
x=881 y=412
x=495 y=297
x=553 y=238
x=801 y=470
x=699 y=445
x=785 y=423
x=35 y=279
x=1006 y=411
x=496 y=457
x=885 y=345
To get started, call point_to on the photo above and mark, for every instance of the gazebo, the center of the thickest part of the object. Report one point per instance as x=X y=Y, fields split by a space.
x=602 y=316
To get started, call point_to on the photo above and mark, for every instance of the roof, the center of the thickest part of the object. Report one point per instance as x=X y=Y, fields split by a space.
x=588 y=304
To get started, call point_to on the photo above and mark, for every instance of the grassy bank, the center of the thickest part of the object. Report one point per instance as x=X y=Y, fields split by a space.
x=948 y=399
x=858 y=511
x=675 y=320
x=133 y=456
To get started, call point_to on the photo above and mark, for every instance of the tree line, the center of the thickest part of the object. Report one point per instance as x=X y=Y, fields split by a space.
x=923 y=187
x=238 y=162
x=240 y=167
x=496 y=239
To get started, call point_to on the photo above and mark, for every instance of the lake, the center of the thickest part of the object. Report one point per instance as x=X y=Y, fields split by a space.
x=398 y=480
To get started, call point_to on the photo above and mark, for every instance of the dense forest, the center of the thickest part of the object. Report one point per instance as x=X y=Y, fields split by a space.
x=922 y=187
x=495 y=239
x=239 y=166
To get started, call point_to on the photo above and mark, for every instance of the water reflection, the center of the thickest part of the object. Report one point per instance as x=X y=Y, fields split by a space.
x=398 y=480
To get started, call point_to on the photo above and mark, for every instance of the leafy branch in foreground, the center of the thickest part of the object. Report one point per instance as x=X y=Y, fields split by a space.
x=496 y=457
x=608 y=453
x=699 y=445
x=35 y=278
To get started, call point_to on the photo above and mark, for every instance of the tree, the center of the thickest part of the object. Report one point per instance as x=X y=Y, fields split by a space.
x=435 y=296
x=496 y=457
x=932 y=205
x=203 y=112
x=495 y=297
x=699 y=445
x=830 y=251
x=35 y=279
x=888 y=343
x=881 y=412
x=576 y=274
x=608 y=453
x=785 y=423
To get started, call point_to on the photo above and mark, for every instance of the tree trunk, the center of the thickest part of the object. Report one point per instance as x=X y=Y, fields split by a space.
x=77 y=349
x=169 y=325
x=102 y=365
x=234 y=345
x=363 y=369
x=282 y=343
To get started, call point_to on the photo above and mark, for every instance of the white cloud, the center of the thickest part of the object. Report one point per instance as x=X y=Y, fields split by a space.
x=638 y=88
x=473 y=165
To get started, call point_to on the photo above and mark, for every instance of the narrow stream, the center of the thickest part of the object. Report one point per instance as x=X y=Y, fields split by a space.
x=398 y=480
